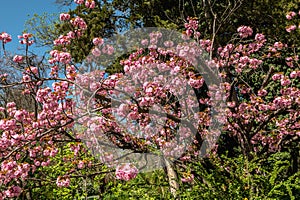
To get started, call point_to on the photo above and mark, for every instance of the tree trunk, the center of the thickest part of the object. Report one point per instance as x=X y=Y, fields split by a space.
x=172 y=176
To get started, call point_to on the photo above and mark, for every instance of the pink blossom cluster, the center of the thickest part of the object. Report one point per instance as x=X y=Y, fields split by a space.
x=290 y=15
x=188 y=178
x=240 y=55
x=245 y=31
x=87 y=80
x=260 y=38
x=154 y=37
x=244 y=61
x=5 y=37
x=60 y=56
x=31 y=70
x=100 y=48
x=108 y=49
x=191 y=27
x=79 y=1
x=295 y=74
x=72 y=34
x=54 y=71
x=291 y=28
x=225 y=52
x=205 y=44
x=62 y=40
x=279 y=45
x=90 y=4
x=13 y=191
x=71 y=72
x=259 y=108
x=81 y=164
x=98 y=41
x=62 y=182
x=30 y=74
x=78 y=22
x=26 y=39
x=252 y=111
x=277 y=76
x=96 y=52
x=21 y=121
x=76 y=148
x=18 y=58
x=13 y=171
x=126 y=172
x=64 y=17
x=149 y=93
x=54 y=113
x=192 y=23
x=291 y=61
x=196 y=82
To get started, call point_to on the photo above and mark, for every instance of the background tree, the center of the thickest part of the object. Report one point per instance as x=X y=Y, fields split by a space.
x=219 y=20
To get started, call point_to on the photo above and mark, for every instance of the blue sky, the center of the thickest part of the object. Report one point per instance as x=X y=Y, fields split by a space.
x=14 y=13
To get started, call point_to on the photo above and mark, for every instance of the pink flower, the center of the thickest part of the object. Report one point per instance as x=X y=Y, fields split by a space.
x=96 y=52
x=33 y=70
x=62 y=40
x=53 y=152
x=78 y=33
x=63 y=182
x=19 y=115
x=133 y=115
x=71 y=35
x=295 y=74
x=144 y=42
x=5 y=37
x=290 y=15
x=196 y=83
x=254 y=63
x=80 y=164
x=231 y=104
x=260 y=38
x=108 y=49
x=18 y=59
x=79 y=22
x=64 y=16
x=126 y=172
x=63 y=57
x=46 y=152
x=262 y=92
x=44 y=164
x=192 y=23
x=276 y=77
x=168 y=43
x=98 y=41
x=13 y=191
x=25 y=39
x=245 y=31
x=285 y=81
x=291 y=28
x=90 y=4
x=79 y=1
x=188 y=178
x=11 y=105
x=37 y=163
